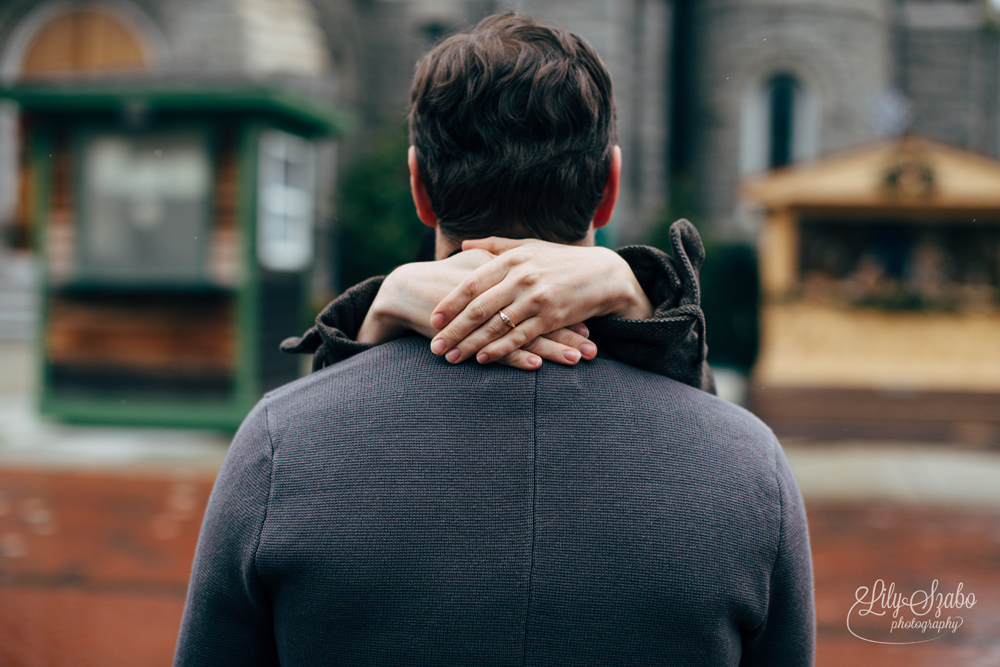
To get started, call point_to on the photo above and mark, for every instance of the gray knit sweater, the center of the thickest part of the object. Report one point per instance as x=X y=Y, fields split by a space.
x=393 y=509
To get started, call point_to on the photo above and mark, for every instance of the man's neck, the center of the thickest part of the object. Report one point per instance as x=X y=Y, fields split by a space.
x=445 y=245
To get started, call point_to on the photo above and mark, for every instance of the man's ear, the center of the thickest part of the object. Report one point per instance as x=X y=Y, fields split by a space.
x=420 y=198
x=606 y=207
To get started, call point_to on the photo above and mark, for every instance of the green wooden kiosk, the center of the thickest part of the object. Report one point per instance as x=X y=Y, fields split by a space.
x=174 y=225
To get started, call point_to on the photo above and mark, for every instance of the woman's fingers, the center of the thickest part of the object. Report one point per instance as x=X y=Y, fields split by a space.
x=465 y=293
x=551 y=350
x=522 y=359
x=482 y=311
x=477 y=325
x=573 y=340
x=494 y=330
x=496 y=340
x=562 y=347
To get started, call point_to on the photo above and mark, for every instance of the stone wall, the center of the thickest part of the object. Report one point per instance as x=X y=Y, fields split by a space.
x=950 y=68
x=839 y=50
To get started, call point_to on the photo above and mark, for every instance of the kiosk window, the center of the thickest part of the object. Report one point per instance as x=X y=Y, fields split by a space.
x=286 y=212
x=145 y=206
x=928 y=264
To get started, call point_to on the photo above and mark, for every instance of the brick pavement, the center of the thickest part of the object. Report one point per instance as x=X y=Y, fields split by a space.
x=94 y=566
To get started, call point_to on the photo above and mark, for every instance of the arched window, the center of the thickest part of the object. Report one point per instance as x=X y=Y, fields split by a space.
x=779 y=123
x=82 y=40
x=781 y=94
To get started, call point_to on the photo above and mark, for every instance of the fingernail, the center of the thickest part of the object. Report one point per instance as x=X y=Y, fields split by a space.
x=534 y=361
x=437 y=320
x=438 y=346
x=572 y=356
x=453 y=355
x=584 y=331
x=588 y=350
x=483 y=358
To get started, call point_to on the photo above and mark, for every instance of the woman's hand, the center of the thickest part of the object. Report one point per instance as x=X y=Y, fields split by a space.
x=540 y=287
x=409 y=294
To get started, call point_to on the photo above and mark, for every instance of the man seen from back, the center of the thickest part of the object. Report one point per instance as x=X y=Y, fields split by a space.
x=395 y=509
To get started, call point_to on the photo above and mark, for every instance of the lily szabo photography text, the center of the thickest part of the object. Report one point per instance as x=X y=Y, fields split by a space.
x=927 y=613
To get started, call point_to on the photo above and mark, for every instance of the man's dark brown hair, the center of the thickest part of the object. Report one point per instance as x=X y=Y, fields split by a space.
x=513 y=124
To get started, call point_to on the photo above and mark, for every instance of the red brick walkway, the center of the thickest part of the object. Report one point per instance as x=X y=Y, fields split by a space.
x=94 y=567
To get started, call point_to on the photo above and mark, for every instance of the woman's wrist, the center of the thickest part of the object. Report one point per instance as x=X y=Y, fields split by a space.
x=382 y=322
x=632 y=302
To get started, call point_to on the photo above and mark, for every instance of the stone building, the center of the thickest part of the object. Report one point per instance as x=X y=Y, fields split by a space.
x=772 y=82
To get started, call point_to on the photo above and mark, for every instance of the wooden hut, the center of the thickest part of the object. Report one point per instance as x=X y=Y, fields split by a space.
x=880 y=273
x=175 y=227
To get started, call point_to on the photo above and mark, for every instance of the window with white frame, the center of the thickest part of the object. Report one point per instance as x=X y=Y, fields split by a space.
x=286 y=206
